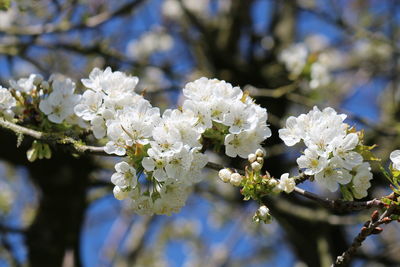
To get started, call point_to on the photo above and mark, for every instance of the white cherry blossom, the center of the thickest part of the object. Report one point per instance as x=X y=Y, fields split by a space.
x=395 y=158
x=286 y=184
x=7 y=103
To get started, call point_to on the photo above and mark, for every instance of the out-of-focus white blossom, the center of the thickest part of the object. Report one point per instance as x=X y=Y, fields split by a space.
x=156 y=40
x=366 y=49
x=172 y=9
x=294 y=57
x=7 y=197
x=319 y=75
x=7 y=17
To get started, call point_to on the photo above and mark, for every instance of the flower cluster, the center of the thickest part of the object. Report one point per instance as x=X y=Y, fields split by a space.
x=254 y=184
x=34 y=99
x=59 y=104
x=165 y=150
x=331 y=153
x=225 y=111
x=156 y=40
x=108 y=92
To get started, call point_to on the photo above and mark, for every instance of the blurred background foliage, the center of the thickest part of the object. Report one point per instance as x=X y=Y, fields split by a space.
x=290 y=55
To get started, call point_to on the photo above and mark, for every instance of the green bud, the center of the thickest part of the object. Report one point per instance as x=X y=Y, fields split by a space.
x=46 y=151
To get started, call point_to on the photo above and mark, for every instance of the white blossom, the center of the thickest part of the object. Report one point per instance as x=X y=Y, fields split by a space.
x=61 y=101
x=342 y=151
x=361 y=181
x=294 y=57
x=27 y=85
x=333 y=174
x=155 y=40
x=201 y=112
x=319 y=75
x=312 y=162
x=286 y=184
x=240 y=118
x=125 y=175
x=7 y=103
x=395 y=158
x=90 y=105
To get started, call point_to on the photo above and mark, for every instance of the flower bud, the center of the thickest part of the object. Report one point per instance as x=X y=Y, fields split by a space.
x=225 y=175
x=386 y=220
x=260 y=152
x=252 y=157
x=375 y=216
x=46 y=151
x=377 y=230
x=260 y=160
x=263 y=211
x=256 y=166
x=119 y=193
x=262 y=214
x=236 y=179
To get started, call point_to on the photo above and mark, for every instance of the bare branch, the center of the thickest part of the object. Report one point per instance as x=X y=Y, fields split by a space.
x=340 y=205
x=367 y=230
x=65 y=26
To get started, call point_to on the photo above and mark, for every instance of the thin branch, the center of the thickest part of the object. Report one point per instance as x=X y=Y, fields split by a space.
x=340 y=205
x=367 y=230
x=217 y=167
x=57 y=138
x=65 y=26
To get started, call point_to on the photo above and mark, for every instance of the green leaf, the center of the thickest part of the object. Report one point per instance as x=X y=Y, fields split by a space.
x=5 y=5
